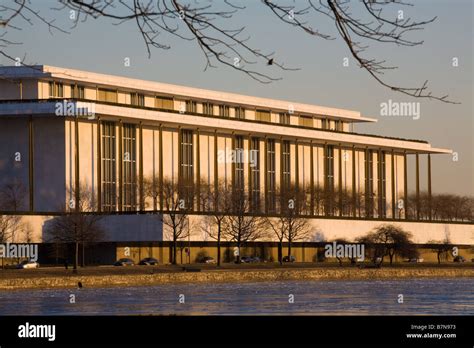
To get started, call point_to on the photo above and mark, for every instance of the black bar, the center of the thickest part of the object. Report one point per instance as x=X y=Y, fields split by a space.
x=193 y=330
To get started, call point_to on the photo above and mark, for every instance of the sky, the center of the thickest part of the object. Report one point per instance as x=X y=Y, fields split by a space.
x=100 y=46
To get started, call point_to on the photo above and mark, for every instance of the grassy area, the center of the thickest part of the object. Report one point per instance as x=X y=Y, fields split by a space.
x=137 y=270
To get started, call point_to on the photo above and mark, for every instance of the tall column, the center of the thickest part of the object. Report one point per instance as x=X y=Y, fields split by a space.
x=430 y=216
x=325 y=180
x=31 y=161
x=99 y=166
x=354 y=188
x=405 y=184
x=417 y=186
x=198 y=169
x=120 y=164
x=393 y=184
x=282 y=186
x=140 y=169
x=340 y=179
x=216 y=171
x=265 y=173
x=160 y=174
x=311 y=177
x=249 y=140
x=76 y=164
x=368 y=189
x=379 y=183
x=297 y=169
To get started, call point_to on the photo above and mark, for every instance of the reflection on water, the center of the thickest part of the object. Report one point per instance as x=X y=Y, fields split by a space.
x=422 y=296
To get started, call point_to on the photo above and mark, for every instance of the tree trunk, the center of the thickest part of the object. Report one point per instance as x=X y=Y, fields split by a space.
x=289 y=250
x=238 y=249
x=391 y=258
x=83 y=261
x=439 y=258
x=280 y=252
x=175 y=247
x=219 y=244
x=76 y=256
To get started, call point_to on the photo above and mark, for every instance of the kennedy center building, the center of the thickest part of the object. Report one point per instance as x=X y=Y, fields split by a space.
x=65 y=130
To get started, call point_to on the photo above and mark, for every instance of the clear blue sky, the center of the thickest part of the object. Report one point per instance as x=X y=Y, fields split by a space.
x=101 y=47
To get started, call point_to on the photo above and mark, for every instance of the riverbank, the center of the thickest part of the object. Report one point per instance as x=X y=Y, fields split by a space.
x=109 y=277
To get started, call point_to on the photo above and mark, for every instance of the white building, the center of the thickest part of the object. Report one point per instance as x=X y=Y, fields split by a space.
x=112 y=135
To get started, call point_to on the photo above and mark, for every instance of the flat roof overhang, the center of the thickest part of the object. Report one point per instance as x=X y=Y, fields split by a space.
x=48 y=108
x=108 y=81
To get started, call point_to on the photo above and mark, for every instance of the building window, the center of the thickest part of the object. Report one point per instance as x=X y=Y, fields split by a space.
x=239 y=164
x=255 y=174
x=262 y=115
x=270 y=169
x=223 y=110
x=186 y=172
x=382 y=183
x=109 y=174
x=369 y=184
x=77 y=92
x=208 y=109
x=284 y=118
x=240 y=113
x=329 y=179
x=129 y=172
x=339 y=125
x=324 y=123
x=191 y=106
x=107 y=95
x=56 y=89
x=306 y=121
x=164 y=103
x=137 y=99
x=286 y=165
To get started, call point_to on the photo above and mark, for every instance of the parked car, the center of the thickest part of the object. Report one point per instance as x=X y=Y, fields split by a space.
x=415 y=260
x=149 y=261
x=208 y=259
x=459 y=258
x=250 y=259
x=28 y=264
x=124 y=262
x=289 y=258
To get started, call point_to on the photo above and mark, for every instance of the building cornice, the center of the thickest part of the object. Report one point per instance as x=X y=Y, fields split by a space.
x=72 y=75
x=153 y=116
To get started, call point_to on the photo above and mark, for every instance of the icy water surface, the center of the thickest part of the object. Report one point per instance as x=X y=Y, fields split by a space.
x=420 y=296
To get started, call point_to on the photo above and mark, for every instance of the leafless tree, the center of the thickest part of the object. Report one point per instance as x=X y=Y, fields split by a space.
x=341 y=241
x=389 y=240
x=151 y=190
x=291 y=224
x=217 y=203
x=242 y=225
x=442 y=248
x=176 y=212
x=27 y=233
x=221 y=43
x=12 y=198
x=444 y=207
x=79 y=225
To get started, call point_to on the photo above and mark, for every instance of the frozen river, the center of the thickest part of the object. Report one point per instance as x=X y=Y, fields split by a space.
x=409 y=297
